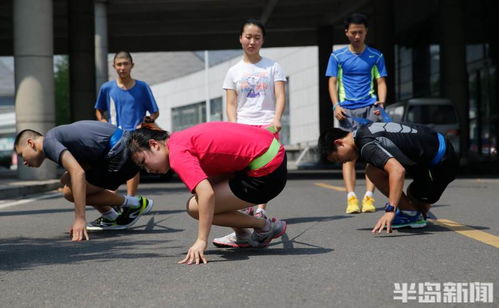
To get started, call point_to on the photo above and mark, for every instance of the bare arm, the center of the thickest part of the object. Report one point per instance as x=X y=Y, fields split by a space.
x=333 y=94
x=78 y=189
x=100 y=115
x=231 y=97
x=396 y=176
x=280 y=103
x=206 y=204
x=382 y=90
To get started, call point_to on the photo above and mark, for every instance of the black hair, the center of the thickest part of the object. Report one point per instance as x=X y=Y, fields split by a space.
x=326 y=140
x=252 y=21
x=123 y=54
x=357 y=19
x=139 y=138
x=24 y=135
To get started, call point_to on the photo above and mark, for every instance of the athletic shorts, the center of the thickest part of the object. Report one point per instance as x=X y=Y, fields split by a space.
x=430 y=183
x=259 y=190
x=101 y=177
x=348 y=124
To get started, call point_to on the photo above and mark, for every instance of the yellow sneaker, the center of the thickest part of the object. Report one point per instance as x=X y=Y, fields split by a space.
x=368 y=205
x=352 y=205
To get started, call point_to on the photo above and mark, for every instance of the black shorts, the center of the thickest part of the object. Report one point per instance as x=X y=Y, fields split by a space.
x=101 y=177
x=430 y=183
x=259 y=190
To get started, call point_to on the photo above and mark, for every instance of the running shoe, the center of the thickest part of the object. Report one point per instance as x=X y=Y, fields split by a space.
x=368 y=205
x=263 y=239
x=103 y=223
x=233 y=240
x=352 y=205
x=129 y=216
x=403 y=220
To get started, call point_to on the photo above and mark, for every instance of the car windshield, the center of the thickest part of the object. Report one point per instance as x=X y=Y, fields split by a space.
x=432 y=114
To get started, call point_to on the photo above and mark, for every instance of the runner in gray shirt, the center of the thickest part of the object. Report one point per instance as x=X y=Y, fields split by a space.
x=95 y=158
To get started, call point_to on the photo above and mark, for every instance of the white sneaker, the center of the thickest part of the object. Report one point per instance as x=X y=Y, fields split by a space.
x=233 y=241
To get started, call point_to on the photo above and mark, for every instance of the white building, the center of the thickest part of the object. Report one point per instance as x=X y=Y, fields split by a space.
x=182 y=100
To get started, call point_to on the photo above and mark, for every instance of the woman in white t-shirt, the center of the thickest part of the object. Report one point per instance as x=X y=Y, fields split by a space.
x=255 y=95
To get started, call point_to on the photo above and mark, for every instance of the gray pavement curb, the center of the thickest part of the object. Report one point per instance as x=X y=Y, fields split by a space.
x=24 y=188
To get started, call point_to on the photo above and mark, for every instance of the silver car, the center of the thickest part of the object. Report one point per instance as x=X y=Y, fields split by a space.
x=437 y=113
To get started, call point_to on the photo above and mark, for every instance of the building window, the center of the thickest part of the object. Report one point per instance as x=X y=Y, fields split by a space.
x=216 y=109
x=435 y=70
x=403 y=73
x=187 y=116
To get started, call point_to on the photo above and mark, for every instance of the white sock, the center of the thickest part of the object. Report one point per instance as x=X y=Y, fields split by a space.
x=369 y=194
x=130 y=201
x=350 y=194
x=111 y=214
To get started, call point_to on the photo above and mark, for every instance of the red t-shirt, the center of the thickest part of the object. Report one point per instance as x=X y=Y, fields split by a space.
x=216 y=148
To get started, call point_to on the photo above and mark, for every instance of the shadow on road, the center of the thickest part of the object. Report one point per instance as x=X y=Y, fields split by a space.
x=299 y=220
x=24 y=253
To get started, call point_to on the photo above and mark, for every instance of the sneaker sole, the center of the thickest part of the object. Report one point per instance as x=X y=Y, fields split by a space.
x=368 y=211
x=410 y=225
x=93 y=228
x=225 y=245
x=353 y=212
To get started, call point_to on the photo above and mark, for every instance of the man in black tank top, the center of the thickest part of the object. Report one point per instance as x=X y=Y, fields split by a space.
x=392 y=150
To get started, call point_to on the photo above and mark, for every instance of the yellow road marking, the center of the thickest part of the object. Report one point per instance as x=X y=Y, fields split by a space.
x=467 y=231
x=337 y=188
x=478 y=235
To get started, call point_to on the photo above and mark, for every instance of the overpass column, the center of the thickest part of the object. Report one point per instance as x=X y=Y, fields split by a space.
x=384 y=40
x=325 y=44
x=101 y=46
x=454 y=82
x=81 y=59
x=34 y=75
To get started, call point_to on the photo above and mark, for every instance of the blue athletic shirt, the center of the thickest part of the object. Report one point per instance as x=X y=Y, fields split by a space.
x=356 y=74
x=126 y=108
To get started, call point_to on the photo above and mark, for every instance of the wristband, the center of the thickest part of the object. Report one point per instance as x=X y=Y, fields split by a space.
x=334 y=106
x=389 y=208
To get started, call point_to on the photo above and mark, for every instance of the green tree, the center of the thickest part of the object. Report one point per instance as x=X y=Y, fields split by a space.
x=61 y=79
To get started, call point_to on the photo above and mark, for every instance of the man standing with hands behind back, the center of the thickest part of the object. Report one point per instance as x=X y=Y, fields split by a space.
x=352 y=71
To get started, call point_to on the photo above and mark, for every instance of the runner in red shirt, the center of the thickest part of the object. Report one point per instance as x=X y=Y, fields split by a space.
x=228 y=167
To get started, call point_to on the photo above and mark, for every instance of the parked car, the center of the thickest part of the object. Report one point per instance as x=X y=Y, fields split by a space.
x=437 y=113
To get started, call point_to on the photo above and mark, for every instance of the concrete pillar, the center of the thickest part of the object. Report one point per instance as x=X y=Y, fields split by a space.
x=454 y=78
x=381 y=33
x=81 y=59
x=34 y=75
x=325 y=44
x=101 y=39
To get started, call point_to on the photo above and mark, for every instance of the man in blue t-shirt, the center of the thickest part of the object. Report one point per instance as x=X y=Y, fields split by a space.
x=124 y=102
x=352 y=71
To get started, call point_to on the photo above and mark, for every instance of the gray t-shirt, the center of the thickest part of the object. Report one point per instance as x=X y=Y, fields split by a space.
x=87 y=141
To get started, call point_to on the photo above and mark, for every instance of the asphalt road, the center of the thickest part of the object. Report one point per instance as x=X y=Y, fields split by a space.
x=326 y=258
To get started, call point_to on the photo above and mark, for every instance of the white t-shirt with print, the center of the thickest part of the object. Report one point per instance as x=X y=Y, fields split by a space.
x=254 y=85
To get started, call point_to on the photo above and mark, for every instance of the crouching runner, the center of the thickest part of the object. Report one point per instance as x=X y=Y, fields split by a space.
x=228 y=167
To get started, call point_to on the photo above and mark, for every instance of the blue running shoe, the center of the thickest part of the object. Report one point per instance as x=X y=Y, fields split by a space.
x=403 y=220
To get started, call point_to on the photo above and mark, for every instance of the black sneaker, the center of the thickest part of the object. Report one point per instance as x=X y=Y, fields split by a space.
x=130 y=215
x=103 y=223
